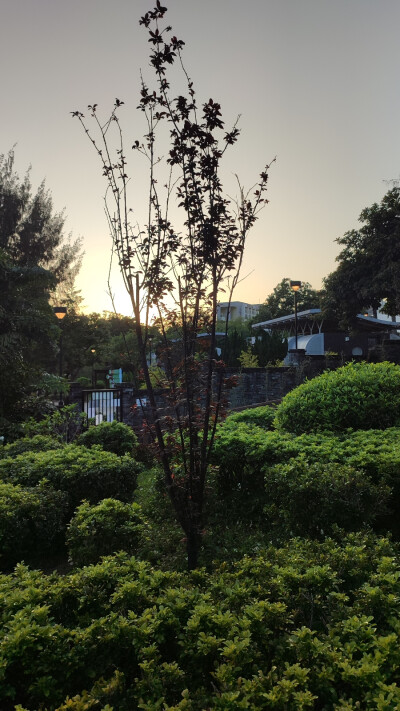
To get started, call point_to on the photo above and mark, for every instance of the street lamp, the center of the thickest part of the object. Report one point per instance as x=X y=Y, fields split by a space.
x=295 y=286
x=60 y=312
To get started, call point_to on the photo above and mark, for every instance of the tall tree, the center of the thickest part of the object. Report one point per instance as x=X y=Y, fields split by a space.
x=179 y=271
x=27 y=337
x=281 y=301
x=35 y=260
x=31 y=233
x=369 y=264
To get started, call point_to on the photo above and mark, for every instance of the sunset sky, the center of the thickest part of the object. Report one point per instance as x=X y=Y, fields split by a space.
x=316 y=83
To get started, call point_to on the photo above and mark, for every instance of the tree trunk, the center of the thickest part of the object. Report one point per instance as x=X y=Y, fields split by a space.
x=192 y=548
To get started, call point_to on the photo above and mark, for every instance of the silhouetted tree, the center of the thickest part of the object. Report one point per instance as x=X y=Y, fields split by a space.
x=178 y=271
x=36 y=259
x=281 y=301
x=369 y=264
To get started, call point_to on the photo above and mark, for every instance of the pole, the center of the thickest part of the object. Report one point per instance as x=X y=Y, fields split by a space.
x=295 y=317
x=61 y=401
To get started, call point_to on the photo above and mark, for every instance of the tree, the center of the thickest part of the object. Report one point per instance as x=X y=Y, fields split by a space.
x=35 y=260
x=27 y=335
x=31 y=233
x=369 y=264
x=281 y=301
x=178 y=269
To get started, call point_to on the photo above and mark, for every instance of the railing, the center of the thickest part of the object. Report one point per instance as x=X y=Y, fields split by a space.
x=102 y=405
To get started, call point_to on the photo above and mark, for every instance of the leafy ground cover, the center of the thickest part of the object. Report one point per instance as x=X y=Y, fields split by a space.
x=306 y=625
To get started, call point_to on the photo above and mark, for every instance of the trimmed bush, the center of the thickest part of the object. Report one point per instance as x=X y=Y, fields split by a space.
x=313 y=499
x=108 y=527
x=308 y=625
x=115 y=437
x=82 y=473
x=359 y=396
x=30 y=521
x=38 y=443
x=241 y=452
x=261 y=416
x=244 y=454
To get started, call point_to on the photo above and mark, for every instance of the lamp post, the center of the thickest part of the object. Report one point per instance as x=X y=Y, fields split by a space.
x=93 y=352
x=295 y=286
x=150 y=338
x=60 y=312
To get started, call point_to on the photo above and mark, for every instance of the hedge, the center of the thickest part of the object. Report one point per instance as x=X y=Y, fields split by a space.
x=262 y=416
x=358 y=396
x=108 y=527
x=308 y=625
x=306 y=499
x=82 y=473
x=31 y=520
x=38 y=443
x=114 y=437
x=242 y=453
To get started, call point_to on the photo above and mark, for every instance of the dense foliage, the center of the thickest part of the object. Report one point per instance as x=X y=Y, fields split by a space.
x=37 y=443
x=276 y=477
x=360 y=396
x=115 y=437
x=308 y=625
x=31 y=521
x=262 y=416
x=82 y=473
x=108 y=527
x=368 y=263
x=315 y=499
x=36 y=260
x=281 y=301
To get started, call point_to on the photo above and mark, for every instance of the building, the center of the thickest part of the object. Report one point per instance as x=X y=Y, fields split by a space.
x=237 y=310
x=317 y=336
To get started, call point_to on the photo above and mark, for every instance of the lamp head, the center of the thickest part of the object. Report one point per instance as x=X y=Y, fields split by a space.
x=295 y=285
x=60 y=312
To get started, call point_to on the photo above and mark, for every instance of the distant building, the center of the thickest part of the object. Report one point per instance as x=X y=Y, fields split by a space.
x=317 y=335
x=237 y=309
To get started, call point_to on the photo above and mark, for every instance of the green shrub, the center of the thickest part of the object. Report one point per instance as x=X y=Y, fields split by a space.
x=82 y=473
x=307 y=625
x=31 y=520
x=63 y=424
x=360 y=396
x=313 y=499
x=38 y=443
x=241 y=452
x=84 y=381
x=244 y=453
x=108 y=527
x=114 y=437
x=261 y=416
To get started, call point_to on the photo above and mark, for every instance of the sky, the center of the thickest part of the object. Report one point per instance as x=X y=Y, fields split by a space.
x=316 y=83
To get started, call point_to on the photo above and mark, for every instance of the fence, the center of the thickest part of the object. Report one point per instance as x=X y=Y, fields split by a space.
x=102 y=405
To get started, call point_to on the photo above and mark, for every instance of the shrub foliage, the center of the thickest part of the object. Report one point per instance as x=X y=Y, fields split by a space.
x=82 y=473
x=31 y=519
x=115 y=437
x=106 y=528
x=360 y=396
x=262 y=416
x=307 y=625
x=38 y=443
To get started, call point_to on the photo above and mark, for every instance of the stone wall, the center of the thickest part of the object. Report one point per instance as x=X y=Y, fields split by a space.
x=256 y=386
